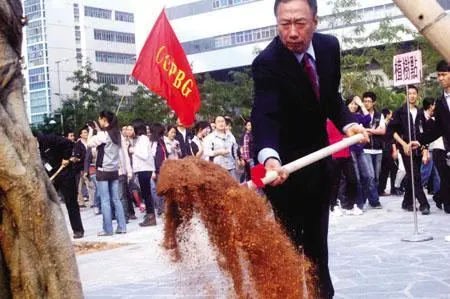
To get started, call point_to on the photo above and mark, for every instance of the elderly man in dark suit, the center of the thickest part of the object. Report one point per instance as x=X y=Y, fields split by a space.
x=441 y=127
x=296 y=89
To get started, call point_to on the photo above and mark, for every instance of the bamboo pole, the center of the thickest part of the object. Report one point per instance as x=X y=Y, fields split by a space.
x=431 y=21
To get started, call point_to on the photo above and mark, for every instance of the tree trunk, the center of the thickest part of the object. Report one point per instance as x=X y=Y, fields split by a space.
x=36 y=255
x=431 y=20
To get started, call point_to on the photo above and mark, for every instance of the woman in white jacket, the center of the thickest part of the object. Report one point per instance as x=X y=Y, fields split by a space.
x=143 y=166
x=109 y=153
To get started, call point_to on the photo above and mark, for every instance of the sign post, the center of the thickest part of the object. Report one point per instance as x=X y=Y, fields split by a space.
x=407 y=69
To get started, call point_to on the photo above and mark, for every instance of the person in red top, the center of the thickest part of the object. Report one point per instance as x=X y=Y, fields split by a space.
x=342 y=167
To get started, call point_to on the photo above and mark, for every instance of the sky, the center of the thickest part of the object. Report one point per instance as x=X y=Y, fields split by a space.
x=146 y=12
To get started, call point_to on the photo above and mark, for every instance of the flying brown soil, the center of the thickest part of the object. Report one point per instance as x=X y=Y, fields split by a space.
x=249 y=243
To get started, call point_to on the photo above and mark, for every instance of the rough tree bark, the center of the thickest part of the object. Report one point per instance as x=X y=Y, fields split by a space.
x=431 y=20
x=36 y=255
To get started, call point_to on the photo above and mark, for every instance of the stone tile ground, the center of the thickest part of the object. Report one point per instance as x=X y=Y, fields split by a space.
x=367 y=260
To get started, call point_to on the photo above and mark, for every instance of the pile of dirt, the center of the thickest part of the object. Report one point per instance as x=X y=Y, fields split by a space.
x=81 y=248
x=251 y=247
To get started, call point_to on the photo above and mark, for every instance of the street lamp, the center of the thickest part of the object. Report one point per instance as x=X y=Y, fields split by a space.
x=59 y=79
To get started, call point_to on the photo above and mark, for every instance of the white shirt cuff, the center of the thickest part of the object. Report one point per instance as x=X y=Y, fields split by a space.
x=267 y=153
x=346 y=127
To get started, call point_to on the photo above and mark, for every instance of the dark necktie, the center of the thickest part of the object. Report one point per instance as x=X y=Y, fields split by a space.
x=308 y=64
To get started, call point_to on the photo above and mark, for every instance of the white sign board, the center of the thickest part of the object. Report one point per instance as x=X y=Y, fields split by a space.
x=407 y=68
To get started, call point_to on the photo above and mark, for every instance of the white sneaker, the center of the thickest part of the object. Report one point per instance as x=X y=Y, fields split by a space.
x=447 y=238
x=337 y=212
x=356 y=211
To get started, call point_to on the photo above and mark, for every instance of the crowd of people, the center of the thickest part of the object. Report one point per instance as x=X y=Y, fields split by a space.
x=114 y=171
x=361 y=172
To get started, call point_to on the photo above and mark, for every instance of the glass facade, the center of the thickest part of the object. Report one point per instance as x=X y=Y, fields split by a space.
x=367 y=15
x=112 y=57
x=95 y=12
x=76 y=12
x=38 y=73
x=115 y=79
x=124 y=16
x=114 y=36
x=228 y=3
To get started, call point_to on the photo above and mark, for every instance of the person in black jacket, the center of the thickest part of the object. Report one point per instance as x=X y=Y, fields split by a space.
x=388 y=165
x=78 y=157
x=296 y=88
x=183 y=136
x=55 y=152
x=441 y=127
x=157 y=141
x=398 y=129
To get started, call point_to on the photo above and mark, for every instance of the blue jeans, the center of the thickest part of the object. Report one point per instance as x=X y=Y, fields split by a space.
x=430 y=169
x=376 y=164
x=158 y=200
x=365 y=176
x=109 y=191
x=97 y=201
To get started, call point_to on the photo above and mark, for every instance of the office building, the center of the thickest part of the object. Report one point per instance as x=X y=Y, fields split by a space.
x=227 y=34
x=59 y=38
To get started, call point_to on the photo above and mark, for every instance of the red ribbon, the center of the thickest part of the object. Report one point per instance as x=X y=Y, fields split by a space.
x=257 y=173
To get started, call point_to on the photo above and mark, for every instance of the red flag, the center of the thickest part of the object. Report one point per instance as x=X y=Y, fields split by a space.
x=163 y=67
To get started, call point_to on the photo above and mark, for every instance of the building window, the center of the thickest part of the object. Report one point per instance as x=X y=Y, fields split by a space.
x=76 y=12
x=34 y=32
x=39 y=85
x=38 y=109
x=228 y=3
x=32 y=9
x=35 y=55
x=124 y=16
x=36 y=76
x=248 y=36
x=79 y=57
x=77 y=34
x=111 y=57
x=38 y=98
x=37 y=118
x=115 y=79
x=114 y=36
x=232 y=39
x=95 y=12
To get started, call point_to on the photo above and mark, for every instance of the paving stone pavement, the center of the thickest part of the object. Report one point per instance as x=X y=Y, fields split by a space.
x=367 y=259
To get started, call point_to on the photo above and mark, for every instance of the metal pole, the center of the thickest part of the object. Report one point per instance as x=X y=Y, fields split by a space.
x=411 y=164
x=416 y=237
x=59 y=79
x=62 y=123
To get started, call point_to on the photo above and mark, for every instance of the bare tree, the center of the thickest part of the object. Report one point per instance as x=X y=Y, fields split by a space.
x=36 y=255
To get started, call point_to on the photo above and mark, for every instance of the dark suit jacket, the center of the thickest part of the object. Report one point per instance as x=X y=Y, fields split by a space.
x=184 y=143
x=54 y=149
x=399 y=125
x=79 y=151
x=441 y=125
x=286 y=115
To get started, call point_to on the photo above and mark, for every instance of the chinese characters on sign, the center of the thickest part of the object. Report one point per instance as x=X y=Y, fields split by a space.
x=407 y=68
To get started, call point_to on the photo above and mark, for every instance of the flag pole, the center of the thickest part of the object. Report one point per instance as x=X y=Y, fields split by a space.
x=123 y=96
x=416 y=236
